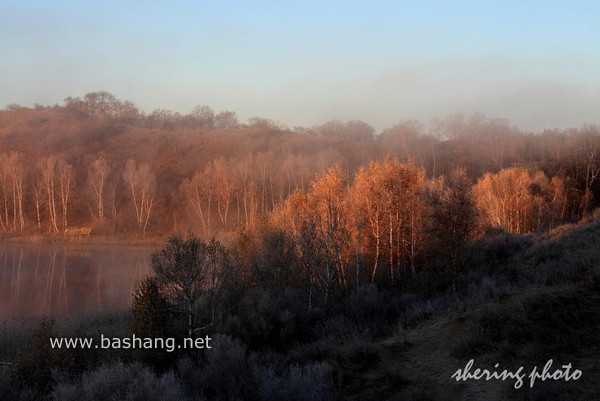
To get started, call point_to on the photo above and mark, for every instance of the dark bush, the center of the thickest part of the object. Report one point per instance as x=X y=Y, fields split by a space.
x=311 y=382
x=34 y=369
x=118 y=381
x=223 y=373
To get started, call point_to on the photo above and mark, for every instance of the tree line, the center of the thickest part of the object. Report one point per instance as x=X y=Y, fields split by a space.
x=99 y=162
x=387 y=225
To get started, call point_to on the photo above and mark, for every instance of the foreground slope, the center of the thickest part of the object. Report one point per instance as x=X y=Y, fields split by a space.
x=549 y=311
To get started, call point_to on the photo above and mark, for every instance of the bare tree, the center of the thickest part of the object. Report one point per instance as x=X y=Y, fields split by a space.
x=38 y=195
x=65 y=176
x=204 y=116
x=100 y=104
x=17 y=175
x=186 y=269
x=453 y=217
x=47 y=168
x=4 y=185
x=114 y=197
x=199 y=192
x=226 y=120
x=142 y=185
x=97 y=176
x=224 y=187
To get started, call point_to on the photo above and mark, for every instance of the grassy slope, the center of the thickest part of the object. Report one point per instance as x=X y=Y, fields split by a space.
x=556 y=315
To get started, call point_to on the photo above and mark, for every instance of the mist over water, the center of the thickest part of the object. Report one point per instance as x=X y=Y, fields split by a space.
x=53 y=279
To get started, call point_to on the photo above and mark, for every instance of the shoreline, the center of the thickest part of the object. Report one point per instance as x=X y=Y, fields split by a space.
x=103 y=240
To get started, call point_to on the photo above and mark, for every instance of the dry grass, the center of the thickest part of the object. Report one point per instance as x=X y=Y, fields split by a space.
x=556 y=316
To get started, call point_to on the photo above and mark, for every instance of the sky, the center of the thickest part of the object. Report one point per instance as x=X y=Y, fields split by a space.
x=302 y=63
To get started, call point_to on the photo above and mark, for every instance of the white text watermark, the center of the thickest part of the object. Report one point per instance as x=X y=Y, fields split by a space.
x=565 y=372
x=158 y=343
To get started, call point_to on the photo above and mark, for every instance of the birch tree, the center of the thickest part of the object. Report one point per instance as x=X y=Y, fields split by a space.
x=47 y=169
x=65 y=178
x=97 y=175
x=17 y=174
x=142 y=186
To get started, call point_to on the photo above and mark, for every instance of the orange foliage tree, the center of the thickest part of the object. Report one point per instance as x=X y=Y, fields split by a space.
x=520 y=200
x=388 y=202
x=320 y=222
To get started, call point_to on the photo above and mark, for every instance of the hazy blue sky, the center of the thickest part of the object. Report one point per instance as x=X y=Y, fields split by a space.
x=536 y=63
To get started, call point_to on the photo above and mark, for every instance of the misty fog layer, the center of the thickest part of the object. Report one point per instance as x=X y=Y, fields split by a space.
x=99 y=164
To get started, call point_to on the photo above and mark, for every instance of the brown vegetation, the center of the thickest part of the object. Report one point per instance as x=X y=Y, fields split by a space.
x=99 y=162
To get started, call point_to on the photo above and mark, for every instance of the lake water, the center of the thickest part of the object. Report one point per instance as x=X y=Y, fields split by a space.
x=53 y=279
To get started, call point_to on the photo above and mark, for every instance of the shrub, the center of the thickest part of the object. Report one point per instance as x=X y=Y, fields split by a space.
x=13 y=339
x=7 y=392
x=312 y=382
x=118 y=381
x=33 y=369
x=273 y=319
x=536 y=328
x=149 y=311
x=366 y=305
x=223 y=373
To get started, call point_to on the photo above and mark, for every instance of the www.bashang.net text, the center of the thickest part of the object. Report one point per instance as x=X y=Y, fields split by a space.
x=168 y=344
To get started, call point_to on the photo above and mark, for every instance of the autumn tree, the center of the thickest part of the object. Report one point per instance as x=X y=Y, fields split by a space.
x=320 y=223
x=295 y=218
x=327 y=202
x=387 y=195
x=370 y=209
x=520 y=200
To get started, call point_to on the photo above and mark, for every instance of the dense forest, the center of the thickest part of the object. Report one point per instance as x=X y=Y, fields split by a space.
x=101 y=164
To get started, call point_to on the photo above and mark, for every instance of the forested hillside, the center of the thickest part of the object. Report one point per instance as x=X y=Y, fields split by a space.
x=517 y=302
x=100 y=163
x=332 y=258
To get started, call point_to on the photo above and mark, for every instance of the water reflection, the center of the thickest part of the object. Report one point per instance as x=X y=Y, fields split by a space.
x=42 y=279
